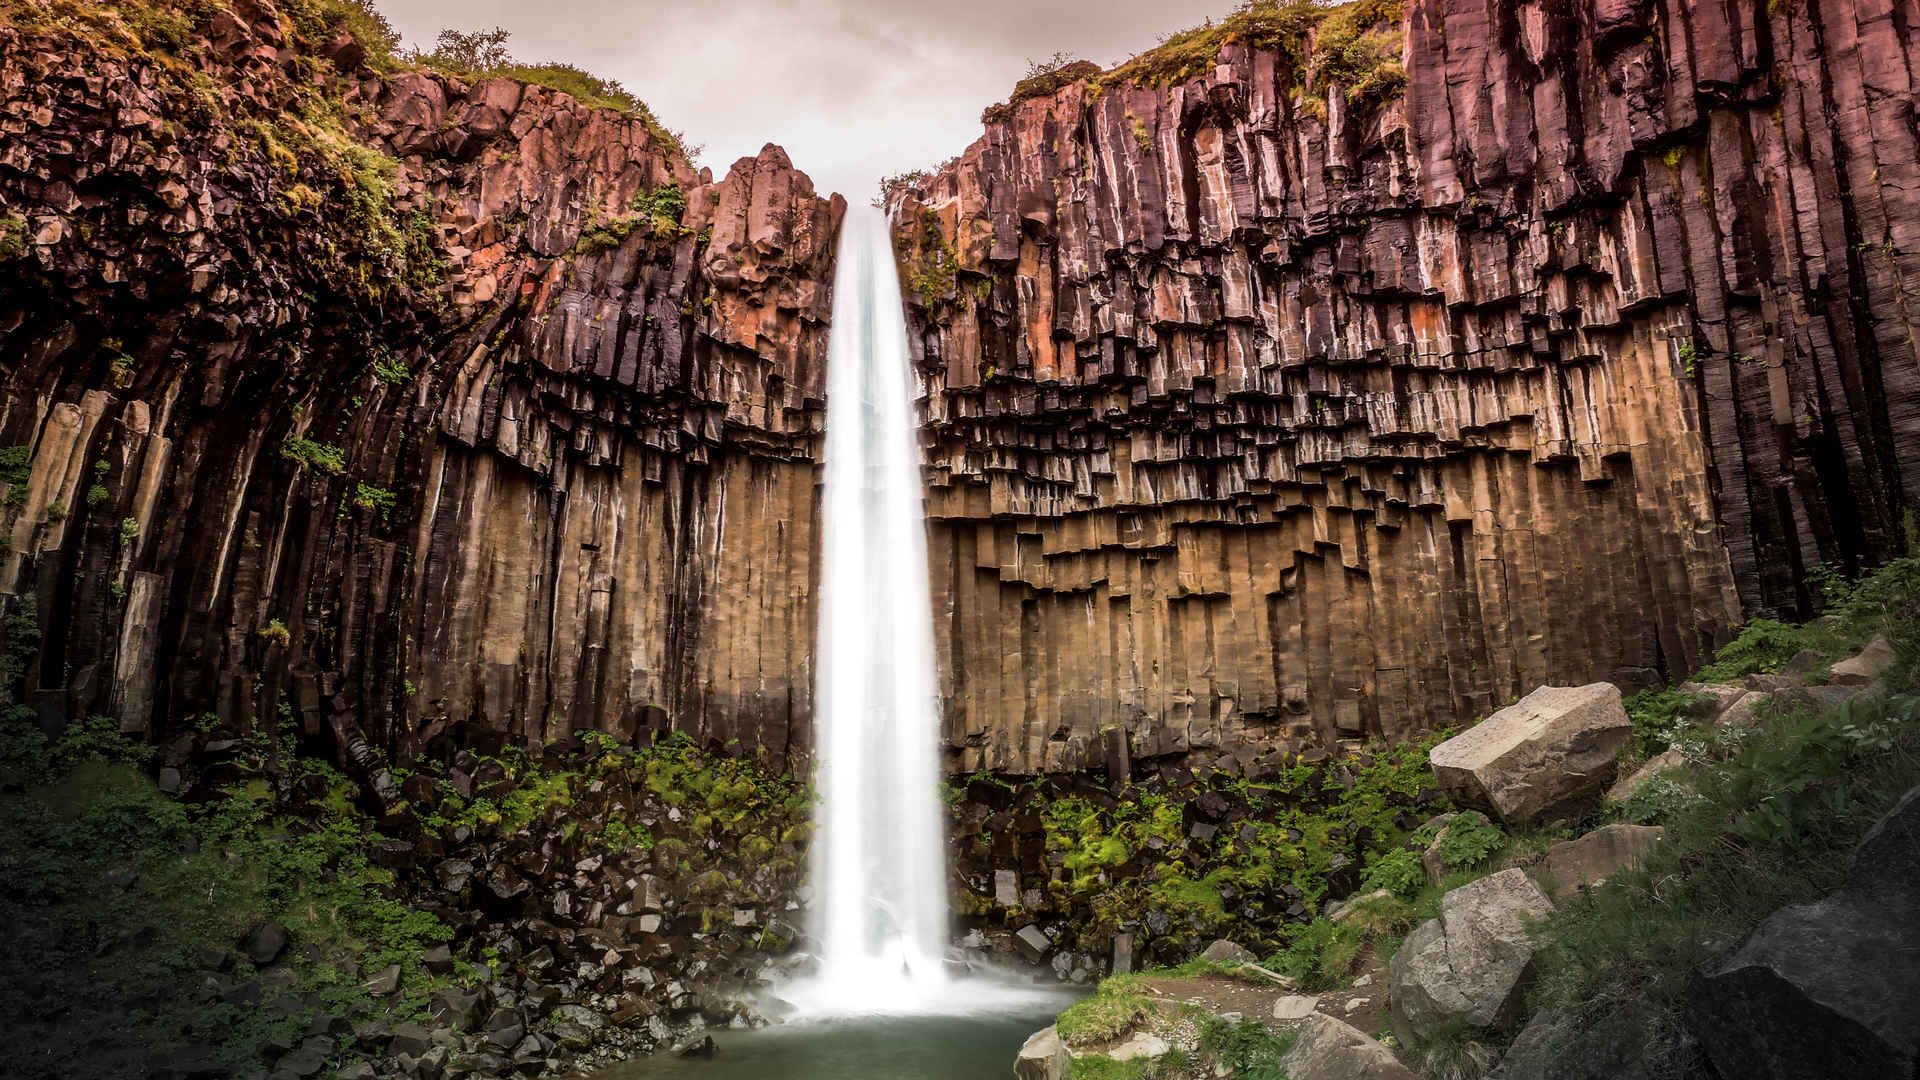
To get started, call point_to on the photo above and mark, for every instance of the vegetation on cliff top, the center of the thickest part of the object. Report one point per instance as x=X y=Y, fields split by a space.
x=1354 y=45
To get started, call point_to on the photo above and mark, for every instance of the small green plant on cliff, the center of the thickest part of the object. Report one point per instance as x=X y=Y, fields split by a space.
x=390 y=371
x=318 y=456
x=275 y=633
x=1043 y=78
x=377 y=499
x=129 y=531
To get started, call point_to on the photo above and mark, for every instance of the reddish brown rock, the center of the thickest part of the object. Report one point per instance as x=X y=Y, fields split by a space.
x=565 y=475
x=1259 y=419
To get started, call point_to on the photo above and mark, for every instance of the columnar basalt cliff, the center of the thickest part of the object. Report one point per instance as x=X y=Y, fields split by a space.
x=1260 y=416
x=421 y=405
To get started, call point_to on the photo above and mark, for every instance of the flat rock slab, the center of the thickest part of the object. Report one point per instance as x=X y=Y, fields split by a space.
x=1572 y=865
x=1330 y=1049
x=1294 y=1006
x=1667 y=760
x=1867 y=665
x=1545 y=758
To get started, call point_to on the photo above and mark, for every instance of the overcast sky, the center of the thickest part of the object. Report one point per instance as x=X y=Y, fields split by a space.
x=854 y=89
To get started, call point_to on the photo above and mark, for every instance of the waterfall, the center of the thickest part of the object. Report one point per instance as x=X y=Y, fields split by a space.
x=880 y=902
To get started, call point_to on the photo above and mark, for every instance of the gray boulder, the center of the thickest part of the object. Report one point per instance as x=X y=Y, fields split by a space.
x=1043 y=1057
x=1330 y=1049
x=1033 y=943
x=1634 y=1042
x=1226 y=952
x=1867 y=665
x=1666 y=760
x=1548 y=757
x=1469 y=965
x=1572 y=865
x=1828 y=989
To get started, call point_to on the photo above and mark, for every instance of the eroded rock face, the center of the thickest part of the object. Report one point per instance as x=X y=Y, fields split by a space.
x=1257 y=419
x=499 y=456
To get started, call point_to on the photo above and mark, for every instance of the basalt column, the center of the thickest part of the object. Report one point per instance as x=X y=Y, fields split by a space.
x=1259 y=417
x=402 y=405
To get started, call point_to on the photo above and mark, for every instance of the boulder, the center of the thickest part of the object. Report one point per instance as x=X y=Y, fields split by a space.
x=1547 y=757
x=1140 y=1044
x=384 y=982
x=1043 y=1057
x=1033 y=943
x=1712 y=699
x=1828 y=989
x=1294 y=1006
x=1226 y=952
x=1745 y=709
x=1865 y=666
x=1330 y=1049
x=1637 y=1041
x=1572 y=865
x=1469 y=965
x=1668 y=759
x=265 y=943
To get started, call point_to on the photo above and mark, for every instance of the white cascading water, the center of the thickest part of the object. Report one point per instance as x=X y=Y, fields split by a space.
x=880 y=903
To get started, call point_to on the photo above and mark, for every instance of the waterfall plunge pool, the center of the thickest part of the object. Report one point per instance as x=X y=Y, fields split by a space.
x=960 y=1046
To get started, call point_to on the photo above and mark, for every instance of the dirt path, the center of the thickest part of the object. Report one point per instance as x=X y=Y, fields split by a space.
x=1362 y=1003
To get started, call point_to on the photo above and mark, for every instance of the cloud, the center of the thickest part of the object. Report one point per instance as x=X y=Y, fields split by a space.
x=854 y=89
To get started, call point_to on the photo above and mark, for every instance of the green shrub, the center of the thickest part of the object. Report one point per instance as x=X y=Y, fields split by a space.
x=1245 y=1047
x=1657 y=713
x=1764 y=645
x=1470 y=840
x=1398 y=871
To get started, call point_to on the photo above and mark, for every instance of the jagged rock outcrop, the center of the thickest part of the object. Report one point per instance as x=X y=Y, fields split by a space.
x=1254 y=417
x=416 y=403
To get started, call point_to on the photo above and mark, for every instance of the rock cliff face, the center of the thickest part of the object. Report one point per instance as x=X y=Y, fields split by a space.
x=1257 y=417
x=423 y=406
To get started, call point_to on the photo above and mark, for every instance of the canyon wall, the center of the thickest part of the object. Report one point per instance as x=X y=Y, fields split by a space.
x=1259 y=416
x=417 y=405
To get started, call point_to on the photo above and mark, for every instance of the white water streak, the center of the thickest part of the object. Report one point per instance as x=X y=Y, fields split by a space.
x=880 y=904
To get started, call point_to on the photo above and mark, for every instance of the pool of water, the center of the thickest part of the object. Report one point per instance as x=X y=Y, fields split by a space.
x=974 y=1046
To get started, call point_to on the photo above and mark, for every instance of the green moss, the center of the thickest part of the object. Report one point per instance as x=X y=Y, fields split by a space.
x=929 y=265
x=13 y=237
x=1110 y=1012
